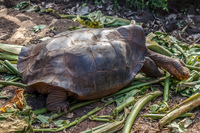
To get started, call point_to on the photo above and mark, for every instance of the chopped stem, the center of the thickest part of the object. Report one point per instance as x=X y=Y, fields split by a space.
x=166 y=88
x=137 y=107
x=159 y=116
x=193 y=67
x=3 y=69
x=188 y=84
x=129 y=101
x=186 y=106
x=69 y=125
x=14 y=69
x=137 y=86
x=7 y=56
x=182 y=52
x=13 y=80
x=5 y=97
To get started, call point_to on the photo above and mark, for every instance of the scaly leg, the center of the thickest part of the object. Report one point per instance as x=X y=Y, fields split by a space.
x=56 y=100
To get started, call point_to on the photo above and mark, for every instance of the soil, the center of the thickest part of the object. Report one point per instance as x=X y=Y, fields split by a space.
x=16 y=28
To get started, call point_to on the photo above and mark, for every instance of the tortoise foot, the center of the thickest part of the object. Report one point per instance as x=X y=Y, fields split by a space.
x=58 y=107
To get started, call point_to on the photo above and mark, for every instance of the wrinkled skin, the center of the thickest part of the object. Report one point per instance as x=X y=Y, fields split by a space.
x=91 y=63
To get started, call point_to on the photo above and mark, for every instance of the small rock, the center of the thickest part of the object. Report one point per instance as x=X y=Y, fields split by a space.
x=70 y=115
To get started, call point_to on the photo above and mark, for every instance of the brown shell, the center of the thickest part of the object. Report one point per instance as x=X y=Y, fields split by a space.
x=89 y=63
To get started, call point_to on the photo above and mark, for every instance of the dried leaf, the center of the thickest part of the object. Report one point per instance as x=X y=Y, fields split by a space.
x=18 y=100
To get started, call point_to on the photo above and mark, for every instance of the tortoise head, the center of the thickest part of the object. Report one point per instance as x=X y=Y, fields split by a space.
x=179 y=70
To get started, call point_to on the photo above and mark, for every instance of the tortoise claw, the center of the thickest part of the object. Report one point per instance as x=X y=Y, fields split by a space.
x=58 y=107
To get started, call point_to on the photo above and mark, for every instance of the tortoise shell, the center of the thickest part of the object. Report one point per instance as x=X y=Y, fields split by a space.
x=88 y=63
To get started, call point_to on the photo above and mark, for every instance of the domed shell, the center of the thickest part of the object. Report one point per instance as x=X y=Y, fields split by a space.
x=89 y=63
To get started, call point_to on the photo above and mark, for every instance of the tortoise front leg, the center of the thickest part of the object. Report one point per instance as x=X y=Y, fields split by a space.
x=56 y=100
x=174 y=66
x=151 y=69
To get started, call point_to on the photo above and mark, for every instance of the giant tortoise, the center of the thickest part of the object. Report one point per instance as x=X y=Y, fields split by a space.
x=91 y=63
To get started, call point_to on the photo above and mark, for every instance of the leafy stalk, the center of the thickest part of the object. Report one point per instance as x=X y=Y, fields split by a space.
x=186 y=106
x=137 y=107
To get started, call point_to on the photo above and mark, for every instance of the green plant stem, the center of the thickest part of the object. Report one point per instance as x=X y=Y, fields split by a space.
x=193 y=76
x=99 y=119
x=186 y=106
x=14 y=49
x=188 y=84
x=12 y=83
x=3 y=69
x=166 y=88
x=110 y=128
x=13 y=80
x=159 y=116
x=7 y=56
x=129 y=101
x=137 y=107
x=69 y=125
x=14 y=69
x=182 y=85
x=5 y=66
x=182 y=52
x=193 y=67
x=137 y=86
x=5 y=97
x=40 y=111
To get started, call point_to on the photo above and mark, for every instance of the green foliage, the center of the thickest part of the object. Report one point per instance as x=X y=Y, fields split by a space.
x=144 y=4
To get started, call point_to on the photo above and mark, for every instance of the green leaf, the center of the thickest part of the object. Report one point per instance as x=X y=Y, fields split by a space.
x=43 y=119
x=38 y=27
x=61 y=123
x=22 y=5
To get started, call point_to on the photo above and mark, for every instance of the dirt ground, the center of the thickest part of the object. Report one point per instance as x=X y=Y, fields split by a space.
x=17 y=28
